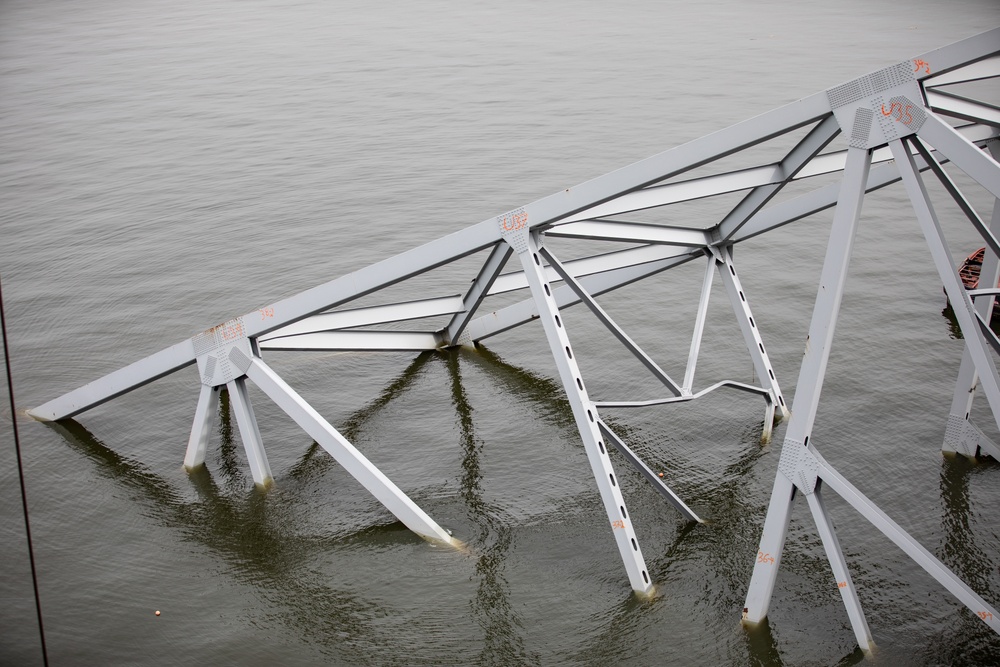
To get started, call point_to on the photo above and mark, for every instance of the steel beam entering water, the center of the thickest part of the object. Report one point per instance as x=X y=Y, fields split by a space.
x=892 y=124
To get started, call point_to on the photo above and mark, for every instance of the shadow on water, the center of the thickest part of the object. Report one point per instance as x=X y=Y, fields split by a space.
x=261 y=543
x=256 y=541
x=261 y=540
x=502 y=628
x=974 y=565
x=955 y=331
x=310 y=465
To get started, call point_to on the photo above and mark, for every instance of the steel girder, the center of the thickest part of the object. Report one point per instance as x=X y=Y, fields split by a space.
x=893 y=120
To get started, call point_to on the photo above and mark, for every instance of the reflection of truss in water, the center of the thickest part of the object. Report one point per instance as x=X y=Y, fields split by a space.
x=893 y=120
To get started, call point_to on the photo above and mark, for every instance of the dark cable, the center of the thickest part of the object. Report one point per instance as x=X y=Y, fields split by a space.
x=20 y=472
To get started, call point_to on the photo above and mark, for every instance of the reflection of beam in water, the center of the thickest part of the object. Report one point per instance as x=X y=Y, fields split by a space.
x=547 y=394
x=962 y=553
x=258 y=541
x=762 y=650
x=229 y=466
x=312 y=466
x=633 y=620
x=728 y=541
x=503 y=643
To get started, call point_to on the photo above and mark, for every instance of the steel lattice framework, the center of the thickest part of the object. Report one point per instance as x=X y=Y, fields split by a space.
x=900 y=122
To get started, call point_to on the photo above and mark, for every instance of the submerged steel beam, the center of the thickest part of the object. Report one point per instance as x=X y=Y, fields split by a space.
x=584 y=412
x=879 y=114
x=353 y=461
x=831 y=289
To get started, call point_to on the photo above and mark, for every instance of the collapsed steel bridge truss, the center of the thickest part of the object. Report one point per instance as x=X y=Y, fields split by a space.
x=901 y=124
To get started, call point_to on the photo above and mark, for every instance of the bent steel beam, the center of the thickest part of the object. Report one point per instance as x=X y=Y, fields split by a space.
x=891 y=121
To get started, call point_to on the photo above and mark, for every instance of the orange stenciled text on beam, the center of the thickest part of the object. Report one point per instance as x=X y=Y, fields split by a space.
x=618 y=524
x=767 y=559
x=230 y=331
x=903 y=115
x=922 y=64
x=266 y=313
x=513 y=221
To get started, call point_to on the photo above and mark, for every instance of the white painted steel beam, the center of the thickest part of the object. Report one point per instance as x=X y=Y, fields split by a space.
x=811 y=373
x=960 y=302
x=356 y=341
x=119 y=382
x=246 y=421
x=364 y=317
x=610 y=324
x=985 y=232
x=205 y=416
x=677 y=160
x=353 y=461
x=956 y=106
x=701 y=315
x=596 y=284
x=841 y=574
x=921 y=556
x=372 y=278
x=584 y=413
x=942 y=61
x=961 y=435
x=651 y=477
x=960 y=151
x=751 y=334
x=480 y=289
x=981 y=69
x=515 y=280
x=796 y=160
x=739 y=386
x=631 y=232
x=783 y=213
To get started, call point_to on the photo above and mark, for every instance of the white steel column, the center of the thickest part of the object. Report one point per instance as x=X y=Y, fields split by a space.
x=606 y=320
x=841 y=574
x=480 y=288
x=811 y=374
x=921 y=556
x=751 y=335
x=201 y=430
x=961 y=435
x=699 y=326
x=353 y=461
x=239 y=399
x=961 y=303
x=584 y=412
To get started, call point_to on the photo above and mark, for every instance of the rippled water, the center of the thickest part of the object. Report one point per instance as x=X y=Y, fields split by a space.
x=168 y=165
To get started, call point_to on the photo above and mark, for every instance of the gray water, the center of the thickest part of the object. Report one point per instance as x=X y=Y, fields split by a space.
x=165 y=166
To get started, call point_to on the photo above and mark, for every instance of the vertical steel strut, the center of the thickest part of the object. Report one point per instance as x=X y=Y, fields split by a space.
x=961 y=435
x=806 y=402
x=893 y=118
x=752 y=338
x=584 y=412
